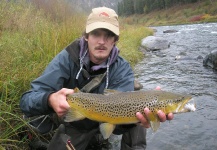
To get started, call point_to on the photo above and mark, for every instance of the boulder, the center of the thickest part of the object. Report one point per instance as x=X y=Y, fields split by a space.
x=153 y=43
x=170 y=31
x=137 y=85
x=180 y=57
x=211 y=60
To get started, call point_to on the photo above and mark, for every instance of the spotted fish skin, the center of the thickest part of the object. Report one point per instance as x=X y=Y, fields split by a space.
x=121 y=107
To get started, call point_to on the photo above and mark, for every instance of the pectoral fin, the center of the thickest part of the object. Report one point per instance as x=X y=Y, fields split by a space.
x=155 y=125
x=73 y=115
x=154 y=121
x=106 y=129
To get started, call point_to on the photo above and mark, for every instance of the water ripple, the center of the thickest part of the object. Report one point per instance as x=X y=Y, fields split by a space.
x=195 y=130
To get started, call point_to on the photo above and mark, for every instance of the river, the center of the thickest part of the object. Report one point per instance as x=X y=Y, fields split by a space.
x=195 y=130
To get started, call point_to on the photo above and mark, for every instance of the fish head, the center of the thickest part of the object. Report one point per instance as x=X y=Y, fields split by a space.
x=168 y=102
x=176 y=103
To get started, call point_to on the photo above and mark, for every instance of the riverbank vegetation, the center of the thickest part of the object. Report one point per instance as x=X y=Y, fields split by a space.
x=200 y=11
x=31 y=34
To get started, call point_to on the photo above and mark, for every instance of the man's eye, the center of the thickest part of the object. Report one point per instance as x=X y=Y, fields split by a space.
x=95 y=34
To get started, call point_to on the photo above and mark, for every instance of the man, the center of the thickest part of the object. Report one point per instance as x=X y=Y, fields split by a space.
x=93 y=56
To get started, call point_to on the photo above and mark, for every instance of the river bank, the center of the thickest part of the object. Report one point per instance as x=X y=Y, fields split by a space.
x=200 y=12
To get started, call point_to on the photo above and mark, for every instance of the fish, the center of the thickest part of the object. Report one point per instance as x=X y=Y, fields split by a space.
x=117 y=108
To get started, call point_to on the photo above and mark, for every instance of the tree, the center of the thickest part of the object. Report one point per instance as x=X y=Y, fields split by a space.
x=128 y=7
x=139 y=6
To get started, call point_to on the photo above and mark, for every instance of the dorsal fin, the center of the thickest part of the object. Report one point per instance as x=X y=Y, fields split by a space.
x=76 y=90
x=110 y=91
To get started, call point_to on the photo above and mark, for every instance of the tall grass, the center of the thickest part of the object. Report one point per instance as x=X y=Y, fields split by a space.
x=130 y=40
x=31 y=34
x=30 y=38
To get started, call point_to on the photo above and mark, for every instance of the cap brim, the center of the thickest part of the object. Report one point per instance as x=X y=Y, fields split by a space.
x=105 y=25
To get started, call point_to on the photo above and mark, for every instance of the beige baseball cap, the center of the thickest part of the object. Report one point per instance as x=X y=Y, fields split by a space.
x=103 y=17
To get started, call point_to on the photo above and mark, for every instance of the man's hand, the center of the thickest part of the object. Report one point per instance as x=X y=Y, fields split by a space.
x=58 y=101
x=160 y=114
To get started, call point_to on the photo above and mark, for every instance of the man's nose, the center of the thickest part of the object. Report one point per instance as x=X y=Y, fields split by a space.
x=102 y=39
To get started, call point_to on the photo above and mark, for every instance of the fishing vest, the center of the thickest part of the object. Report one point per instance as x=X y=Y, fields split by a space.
x=90 y=85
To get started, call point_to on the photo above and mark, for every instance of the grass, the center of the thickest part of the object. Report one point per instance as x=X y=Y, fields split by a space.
x=30 y=36
x=130 y=41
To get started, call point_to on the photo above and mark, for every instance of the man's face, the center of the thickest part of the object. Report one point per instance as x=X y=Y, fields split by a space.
x=100 y=44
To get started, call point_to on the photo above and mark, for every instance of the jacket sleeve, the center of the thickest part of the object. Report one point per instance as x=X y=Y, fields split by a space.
x=121 y=76
x=35 y=101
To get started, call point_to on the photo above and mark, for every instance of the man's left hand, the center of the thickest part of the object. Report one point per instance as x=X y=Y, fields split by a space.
x=162 y=116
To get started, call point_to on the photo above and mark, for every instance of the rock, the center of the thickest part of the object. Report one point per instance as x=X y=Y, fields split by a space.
x=180 y=57
x=153 y=43
x=211 y=60
x=170 y=31
x=137 y=85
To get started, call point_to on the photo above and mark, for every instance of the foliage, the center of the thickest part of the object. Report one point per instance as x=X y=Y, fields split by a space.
x=196 y=18
x=126 y=7
x=130 y=7
x=203 y=11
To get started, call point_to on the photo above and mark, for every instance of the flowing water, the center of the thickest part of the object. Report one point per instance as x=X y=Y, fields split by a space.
x=195 y=130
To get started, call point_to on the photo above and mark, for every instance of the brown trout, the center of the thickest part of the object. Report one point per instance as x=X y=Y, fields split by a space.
x=115 y=107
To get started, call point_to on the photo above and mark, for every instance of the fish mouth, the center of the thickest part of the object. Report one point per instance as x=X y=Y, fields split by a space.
x=189 y=105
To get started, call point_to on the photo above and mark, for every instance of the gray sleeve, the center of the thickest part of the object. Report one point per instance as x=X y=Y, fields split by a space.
x=35 y=101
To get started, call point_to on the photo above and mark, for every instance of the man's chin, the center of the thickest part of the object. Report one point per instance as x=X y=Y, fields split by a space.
x=100 y=58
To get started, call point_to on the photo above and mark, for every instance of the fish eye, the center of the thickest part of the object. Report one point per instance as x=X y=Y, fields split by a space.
x=181 y=98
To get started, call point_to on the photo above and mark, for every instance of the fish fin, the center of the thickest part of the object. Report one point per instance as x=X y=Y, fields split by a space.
x=154 y=121
x=73 y=115
x=106 y=129
x=155 y=125
x=110 y=91
x=76 y=90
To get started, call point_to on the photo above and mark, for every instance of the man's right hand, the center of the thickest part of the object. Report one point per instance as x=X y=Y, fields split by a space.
x=58 y=101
